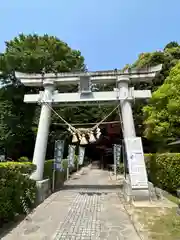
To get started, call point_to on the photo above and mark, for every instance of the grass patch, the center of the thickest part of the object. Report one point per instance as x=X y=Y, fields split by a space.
x=173 y=198
x=167 y=226
x=160 y=223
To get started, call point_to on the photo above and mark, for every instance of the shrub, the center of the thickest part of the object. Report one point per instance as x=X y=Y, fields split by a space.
x=48 y=169
x=14 y=185
x=164 y=170
x=59 y=176
x=23 y=159
x=121 y=168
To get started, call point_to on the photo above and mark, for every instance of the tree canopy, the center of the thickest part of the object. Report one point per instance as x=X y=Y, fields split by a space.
x=163 y=113
x=29 y=53
x=33 y=54
x=148 y=114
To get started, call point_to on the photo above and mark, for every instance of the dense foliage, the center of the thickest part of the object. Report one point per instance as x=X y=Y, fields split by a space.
x=163 y=114
x=31 y=53
x=164 y=170
x=14 y=185
x=60 y=177
x=156 y=115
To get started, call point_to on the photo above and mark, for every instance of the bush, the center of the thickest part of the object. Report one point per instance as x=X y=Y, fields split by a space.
x=48 y=169
x=60 y=177
x=164 y=170
x=23 y=159
x=14 y=185
x=121 y=168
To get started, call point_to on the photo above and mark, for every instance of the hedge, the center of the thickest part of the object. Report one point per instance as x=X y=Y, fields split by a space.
x=60 y=177
x=164 y=170
x=14 y=185
x=48 y=173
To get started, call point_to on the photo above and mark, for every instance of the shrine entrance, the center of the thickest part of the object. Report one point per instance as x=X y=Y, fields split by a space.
x=122 y=96
x=100 y=152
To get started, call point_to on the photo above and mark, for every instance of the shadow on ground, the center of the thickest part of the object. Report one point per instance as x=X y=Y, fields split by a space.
x=7 y=227
x=95 y=187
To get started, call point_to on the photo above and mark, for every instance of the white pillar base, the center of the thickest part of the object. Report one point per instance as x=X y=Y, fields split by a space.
x=43 y=190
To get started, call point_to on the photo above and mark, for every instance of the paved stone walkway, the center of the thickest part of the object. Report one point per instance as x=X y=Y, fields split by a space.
x=88 y=208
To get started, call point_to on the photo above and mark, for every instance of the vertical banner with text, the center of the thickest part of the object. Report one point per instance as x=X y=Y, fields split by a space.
x=58 y=155
x=117 y=154
x=71 y=155
x=81 y=155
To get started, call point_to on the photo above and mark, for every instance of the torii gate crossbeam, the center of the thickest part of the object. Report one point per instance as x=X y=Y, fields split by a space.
x=93 y=98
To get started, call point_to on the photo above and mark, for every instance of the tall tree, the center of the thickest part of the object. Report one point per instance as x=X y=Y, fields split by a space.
x=168 y=58
x=28 y=54
x=163 y=114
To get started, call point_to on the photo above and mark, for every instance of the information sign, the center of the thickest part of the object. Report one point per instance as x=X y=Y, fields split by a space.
x=136 y=163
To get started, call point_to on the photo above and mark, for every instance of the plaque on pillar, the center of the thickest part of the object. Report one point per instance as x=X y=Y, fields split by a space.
x=85 y=85
x=136 y=163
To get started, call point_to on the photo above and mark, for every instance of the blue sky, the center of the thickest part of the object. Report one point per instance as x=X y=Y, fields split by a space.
x=109 y=34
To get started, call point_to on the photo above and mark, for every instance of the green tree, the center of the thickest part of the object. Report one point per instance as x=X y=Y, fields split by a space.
x=168 y=58
x=172 y=44
x=29 y=54
x=163 y=113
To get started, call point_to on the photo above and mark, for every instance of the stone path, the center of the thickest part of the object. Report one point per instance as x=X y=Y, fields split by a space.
x=88 y=208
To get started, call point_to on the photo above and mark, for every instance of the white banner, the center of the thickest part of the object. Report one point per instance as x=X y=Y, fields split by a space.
x=81 y=155
x=71 y=155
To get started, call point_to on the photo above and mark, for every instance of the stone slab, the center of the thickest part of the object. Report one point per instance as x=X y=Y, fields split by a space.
x=43 y=190
x=138 y=194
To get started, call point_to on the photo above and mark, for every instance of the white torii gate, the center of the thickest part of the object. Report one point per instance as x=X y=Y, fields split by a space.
x=124 y=94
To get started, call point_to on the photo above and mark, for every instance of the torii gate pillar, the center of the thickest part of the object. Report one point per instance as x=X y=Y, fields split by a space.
x=43 y=131
x=126 y=108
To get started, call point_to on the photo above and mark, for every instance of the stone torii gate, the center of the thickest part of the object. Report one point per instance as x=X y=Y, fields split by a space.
x=85 y=96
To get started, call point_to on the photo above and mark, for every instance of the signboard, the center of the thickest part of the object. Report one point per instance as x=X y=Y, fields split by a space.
x=136 y=164
x=71 y=155
x=58 y=155
x=81 y=155
x=117 y=154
